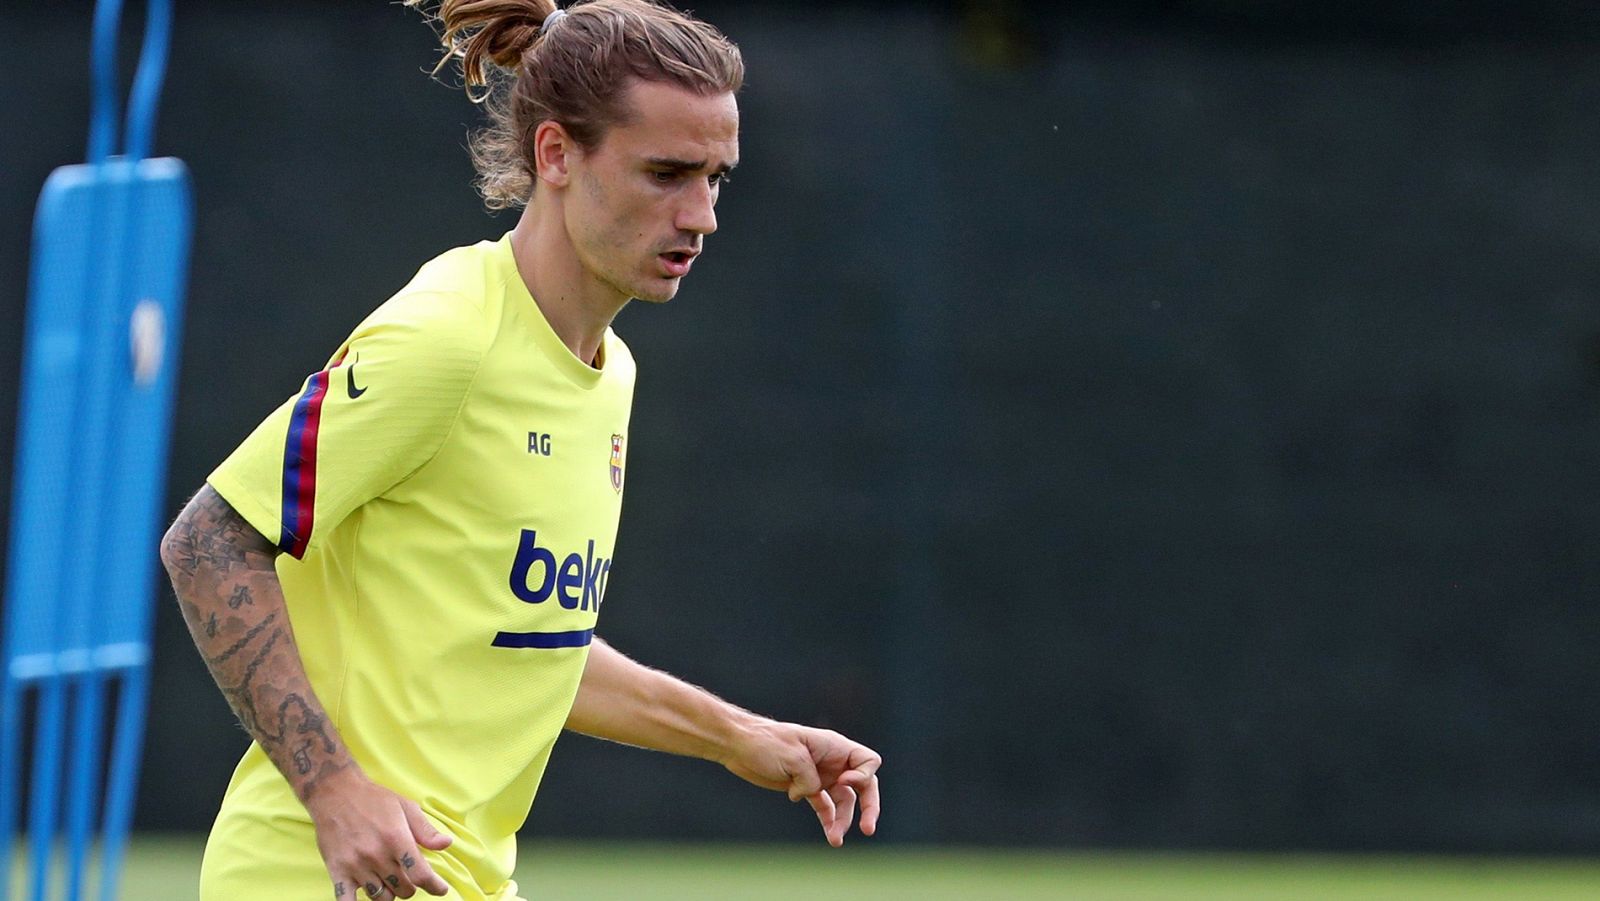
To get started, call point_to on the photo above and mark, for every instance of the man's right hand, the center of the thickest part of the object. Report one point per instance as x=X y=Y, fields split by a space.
x=369 y=837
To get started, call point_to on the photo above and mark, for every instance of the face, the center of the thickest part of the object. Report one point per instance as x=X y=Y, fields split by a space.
x=639 y=205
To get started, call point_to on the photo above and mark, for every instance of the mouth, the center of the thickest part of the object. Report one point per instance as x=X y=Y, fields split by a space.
x=676 y=263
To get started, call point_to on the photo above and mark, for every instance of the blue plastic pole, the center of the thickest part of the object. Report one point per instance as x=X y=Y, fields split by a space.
x=46 y=782
x=146 y=93
x=84 y=776
x=10 y=739
x=103 y=76
x=123 y=776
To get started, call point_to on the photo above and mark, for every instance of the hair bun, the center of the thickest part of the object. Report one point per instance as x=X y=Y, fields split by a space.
x=485 y=32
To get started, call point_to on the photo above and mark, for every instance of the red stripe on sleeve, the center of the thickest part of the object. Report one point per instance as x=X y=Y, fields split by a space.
x=307 y=499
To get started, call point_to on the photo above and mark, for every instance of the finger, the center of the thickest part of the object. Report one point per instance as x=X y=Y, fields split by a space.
x=823 y=805
x=374 y=888
x=863 y=777
x=866 y=785
x=844 y=802
x=422 y=875
x=870 y=806
x=399 y=885
x=864 y=762
x=422 y=828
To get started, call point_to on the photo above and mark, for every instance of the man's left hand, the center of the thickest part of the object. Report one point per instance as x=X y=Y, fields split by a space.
x=829 y=771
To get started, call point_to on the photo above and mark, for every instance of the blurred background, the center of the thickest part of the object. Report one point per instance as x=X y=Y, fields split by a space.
x=1153 y=425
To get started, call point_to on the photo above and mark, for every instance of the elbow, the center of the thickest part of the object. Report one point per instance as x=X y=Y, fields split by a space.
x=172 y=548
x=166 y=550
x=208 y=539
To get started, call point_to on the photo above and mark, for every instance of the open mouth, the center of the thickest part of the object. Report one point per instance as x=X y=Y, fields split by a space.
x=676 y=263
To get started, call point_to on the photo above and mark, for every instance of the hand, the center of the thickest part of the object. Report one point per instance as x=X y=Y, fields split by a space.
x=819 y=765
x=369 y=836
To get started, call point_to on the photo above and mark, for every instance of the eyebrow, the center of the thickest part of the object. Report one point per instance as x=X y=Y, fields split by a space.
x=687 y=165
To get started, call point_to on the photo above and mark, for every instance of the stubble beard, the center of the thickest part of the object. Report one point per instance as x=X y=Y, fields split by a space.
x=642 y=288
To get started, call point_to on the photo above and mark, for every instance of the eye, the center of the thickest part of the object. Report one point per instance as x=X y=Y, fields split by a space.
x=718 y=179
x=664 y=176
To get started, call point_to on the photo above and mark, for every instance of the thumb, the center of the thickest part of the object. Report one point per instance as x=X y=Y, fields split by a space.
x=422 y=830
x=804 y=780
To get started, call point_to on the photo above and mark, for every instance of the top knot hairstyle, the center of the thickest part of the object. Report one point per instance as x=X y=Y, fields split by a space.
x=527 y=66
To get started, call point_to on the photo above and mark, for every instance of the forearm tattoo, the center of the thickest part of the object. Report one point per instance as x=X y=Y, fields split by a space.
x=222 y=572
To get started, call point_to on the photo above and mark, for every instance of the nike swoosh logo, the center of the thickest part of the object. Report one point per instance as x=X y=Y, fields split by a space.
x=350 y=383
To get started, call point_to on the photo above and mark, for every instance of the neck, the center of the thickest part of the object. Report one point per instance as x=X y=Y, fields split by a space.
x=578 y=306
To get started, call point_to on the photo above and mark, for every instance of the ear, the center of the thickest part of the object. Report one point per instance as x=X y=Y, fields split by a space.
x=553 y=149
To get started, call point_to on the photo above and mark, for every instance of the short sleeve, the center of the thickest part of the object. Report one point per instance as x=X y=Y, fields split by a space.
x=377 y=413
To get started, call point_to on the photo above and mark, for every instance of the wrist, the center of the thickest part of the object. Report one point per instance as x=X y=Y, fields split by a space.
x=331 y=787
x=741 y=730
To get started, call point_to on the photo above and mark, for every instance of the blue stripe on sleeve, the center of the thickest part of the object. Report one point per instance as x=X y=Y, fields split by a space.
x=289 y=517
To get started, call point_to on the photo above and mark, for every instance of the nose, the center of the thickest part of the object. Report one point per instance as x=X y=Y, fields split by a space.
x=698 y=214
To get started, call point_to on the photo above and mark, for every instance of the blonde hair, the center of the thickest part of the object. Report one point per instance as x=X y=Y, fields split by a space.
x=574 y=72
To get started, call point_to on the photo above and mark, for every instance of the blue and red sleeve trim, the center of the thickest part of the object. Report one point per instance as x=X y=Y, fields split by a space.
x=300 y=465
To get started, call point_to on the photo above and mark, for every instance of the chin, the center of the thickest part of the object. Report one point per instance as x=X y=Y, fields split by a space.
x=659 y=292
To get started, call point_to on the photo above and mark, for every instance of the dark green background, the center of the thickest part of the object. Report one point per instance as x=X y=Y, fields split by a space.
x=1157 y=424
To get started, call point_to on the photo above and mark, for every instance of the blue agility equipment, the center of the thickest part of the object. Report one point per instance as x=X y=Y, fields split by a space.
x=110 y=253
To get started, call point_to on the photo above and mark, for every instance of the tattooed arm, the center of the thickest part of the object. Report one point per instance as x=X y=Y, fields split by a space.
x=223 y=573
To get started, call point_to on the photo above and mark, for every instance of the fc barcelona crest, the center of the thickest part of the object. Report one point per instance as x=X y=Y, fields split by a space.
x=616 y=462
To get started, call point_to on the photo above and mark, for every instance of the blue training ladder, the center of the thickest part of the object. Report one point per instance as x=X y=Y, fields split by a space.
x=110 y=253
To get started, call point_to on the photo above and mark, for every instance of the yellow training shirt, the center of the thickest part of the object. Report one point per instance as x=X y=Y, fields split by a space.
x=446 y=493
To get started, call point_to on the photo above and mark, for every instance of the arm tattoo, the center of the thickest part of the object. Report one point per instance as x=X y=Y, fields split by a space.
x=239 y=645
x=224 y=575
x=302 y=758
x=210 y=534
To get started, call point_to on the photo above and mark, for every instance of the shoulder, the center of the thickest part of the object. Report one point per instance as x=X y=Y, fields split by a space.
x=430 y=324
x=445 y=312
x=471 y=272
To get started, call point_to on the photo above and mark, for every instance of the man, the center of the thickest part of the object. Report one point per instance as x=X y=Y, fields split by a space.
x=435 y=512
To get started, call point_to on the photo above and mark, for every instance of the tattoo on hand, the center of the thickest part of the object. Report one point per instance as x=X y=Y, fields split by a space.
x=373 y=890
x=394 y=881
x=407 y=861
x=338 y=890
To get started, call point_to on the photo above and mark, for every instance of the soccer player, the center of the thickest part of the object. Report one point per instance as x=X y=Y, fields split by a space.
x=395 y=579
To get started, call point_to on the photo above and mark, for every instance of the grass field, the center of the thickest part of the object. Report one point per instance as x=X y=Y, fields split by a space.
x=164 y=869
